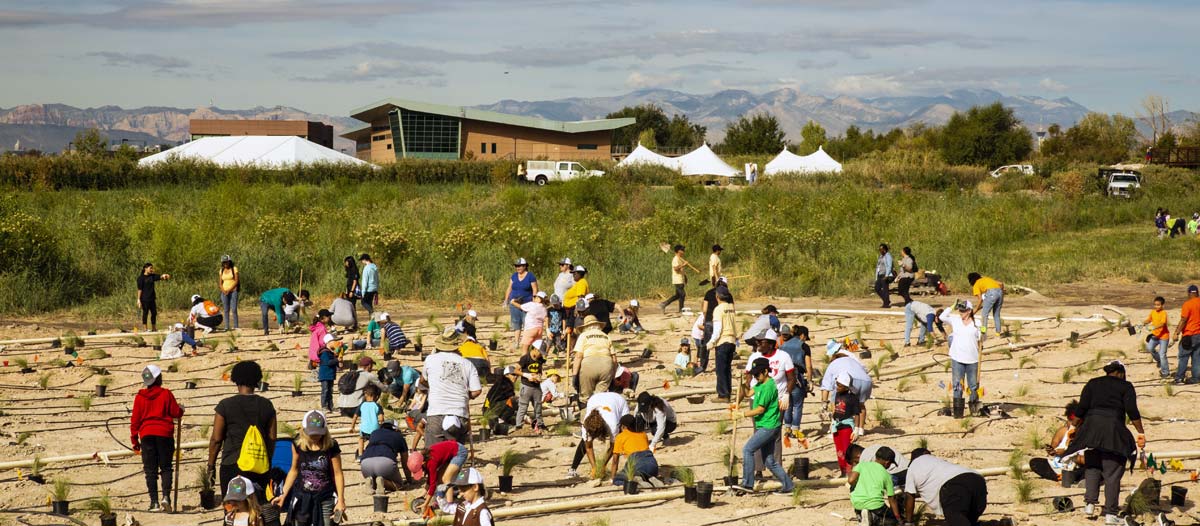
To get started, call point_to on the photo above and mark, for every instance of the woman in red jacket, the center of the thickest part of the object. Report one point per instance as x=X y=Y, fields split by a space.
x=152 y=431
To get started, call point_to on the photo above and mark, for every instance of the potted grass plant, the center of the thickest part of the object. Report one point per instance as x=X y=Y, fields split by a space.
x=297 y=385
x=631 y=483
x=208 y=498
x=35 y=471
x=686 y=476
x=265 y=384
x=103 y=505
x=508 y=460
x=60 y=497
x=102 y=386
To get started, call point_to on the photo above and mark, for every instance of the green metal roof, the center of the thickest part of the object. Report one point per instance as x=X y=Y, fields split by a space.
x=376 y=110
x=356 y=131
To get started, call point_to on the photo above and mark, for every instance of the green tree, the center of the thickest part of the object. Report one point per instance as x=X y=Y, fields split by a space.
x=985 y=136
x=646 y=138
x=812 y=135
x=1096 y=138
x=677 y=131
x=682 y=132
x=90 y=142
x=758 y=134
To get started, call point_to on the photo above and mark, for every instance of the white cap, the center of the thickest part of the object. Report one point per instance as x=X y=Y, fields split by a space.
x=844 y=379
x=620 y=370
x=537 y=344
x=195 y=297
x=541 y=294
x=508 y=369
x=468 y=477
x=579 y=268
x=589 y=296
x=633 y=303
x=770 y=334
x=179 y=326
x=328 y=338
x=521 y=261
x=383 y=316
x=150 y=373
x=472 y=314
x=565 y=261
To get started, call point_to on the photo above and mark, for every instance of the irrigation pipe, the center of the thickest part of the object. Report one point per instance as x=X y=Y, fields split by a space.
x=600 y=502
x=1095 y=318
x=1002 y=349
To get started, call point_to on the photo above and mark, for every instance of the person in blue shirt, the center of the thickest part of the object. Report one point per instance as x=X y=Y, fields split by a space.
x=522 y=287
x=379 y=458
x=275 y=300
x=327 y=370
x=367 y=417
x=795 y=344
x=404 y=381
x=369 y=283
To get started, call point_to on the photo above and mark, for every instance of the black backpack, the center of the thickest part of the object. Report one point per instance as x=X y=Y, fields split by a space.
x=348 y=383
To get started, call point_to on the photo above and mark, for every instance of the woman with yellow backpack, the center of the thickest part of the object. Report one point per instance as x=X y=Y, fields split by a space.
x=243 y=430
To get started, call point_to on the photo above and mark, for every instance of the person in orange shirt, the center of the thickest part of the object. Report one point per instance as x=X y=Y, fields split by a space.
x=1159 y=339
x=1189 y=337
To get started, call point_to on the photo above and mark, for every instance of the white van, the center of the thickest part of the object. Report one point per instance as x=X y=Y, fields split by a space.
x=542 y=172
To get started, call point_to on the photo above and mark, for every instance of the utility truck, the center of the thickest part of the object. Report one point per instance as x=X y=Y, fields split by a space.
x=542 y=172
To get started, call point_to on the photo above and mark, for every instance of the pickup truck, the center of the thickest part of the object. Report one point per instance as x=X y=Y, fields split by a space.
x=1021 y=169
x=542 y=172
x=1123 y=183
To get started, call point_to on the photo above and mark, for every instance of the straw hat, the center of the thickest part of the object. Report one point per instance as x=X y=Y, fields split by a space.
x=448 y=341
x=588 y=321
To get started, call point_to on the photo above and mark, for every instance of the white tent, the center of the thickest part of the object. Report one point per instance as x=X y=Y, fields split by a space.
x=252 y=150
x=644 y=156
x=702 y=161
x=788 y=162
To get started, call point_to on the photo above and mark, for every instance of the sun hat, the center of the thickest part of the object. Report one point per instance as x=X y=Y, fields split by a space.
x=521 y=263
x=468 y=477
x=330 y=338
x=416 y=465
x=314 y=423
x=634 y=303
x=565 y=261
x=832 y=347
x=240 y=488
x=588 y=321
x=843 y=378
x=151 y=373
x=448 y=341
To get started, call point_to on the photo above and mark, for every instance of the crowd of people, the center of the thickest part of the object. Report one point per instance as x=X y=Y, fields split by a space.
x=266 y=477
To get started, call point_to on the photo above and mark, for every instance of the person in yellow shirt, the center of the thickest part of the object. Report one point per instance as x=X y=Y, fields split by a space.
x=1159 y=339
x=477 y=355
x=572 y=297
x=989 y=297
x=724 y=339
x=678 y=279
x=595 y=359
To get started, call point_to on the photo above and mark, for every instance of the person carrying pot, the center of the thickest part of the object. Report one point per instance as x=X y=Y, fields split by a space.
x=152 y=433
x=1104 y=404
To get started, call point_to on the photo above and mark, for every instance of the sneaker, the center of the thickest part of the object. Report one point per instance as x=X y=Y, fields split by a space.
x=1113 y=520
x=655 y=482
x=1090 y=511
x=738 y=488
x=155 y=507
x=782 y=491
x=572 y=473
x=1162 y=520
x=166 y=505
x=1179 y=381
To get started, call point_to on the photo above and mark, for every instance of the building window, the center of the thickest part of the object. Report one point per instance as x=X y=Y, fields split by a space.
x=483 y=147
x=428 y=133
x=586 y=147
x=379 y=138
x=389 y=147
x=379 y=128
x=493 y=147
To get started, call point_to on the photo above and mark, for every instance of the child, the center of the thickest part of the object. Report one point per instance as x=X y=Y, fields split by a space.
x=656 y=417
x=204 y=314
x=173 y=343
x=531 y=385
x=371 y=414
x=550 y=391
x=472 y=510
x=629 y=319
x=317 y=464
x=684 y=366
x=845 y=407
x=1160 y=336
x=633 y=444
x=241 y=505
x=535 y=319
x=327 y=371
x=764 y=409
x=319 y=329
x=439 y=464
x=554 y=322
x=501 y=399
x=870 y=485
x=699 y=337
x=152 y=432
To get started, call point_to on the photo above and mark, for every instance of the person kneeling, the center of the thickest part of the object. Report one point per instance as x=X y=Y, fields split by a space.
x=633 y=444
x=871 y=491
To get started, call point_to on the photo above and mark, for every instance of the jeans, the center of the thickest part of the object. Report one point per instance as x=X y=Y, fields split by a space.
x=724 y=367
x=1158 y=349
x=644 y=466
x=229 y=303
x=881 y=288
x=516 y=318
x=993 y=299
x=157 y=453
x=1098 y=467
x=701 y=348
x=971 y=371
x=1189 y=349
x=680 y=294
x=327 y=394
x=763 y=442
x=795 y=410
x=266 y=323
x=909 y=318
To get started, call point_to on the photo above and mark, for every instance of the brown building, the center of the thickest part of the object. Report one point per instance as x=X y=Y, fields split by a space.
x=317 y=132
x=398 y=129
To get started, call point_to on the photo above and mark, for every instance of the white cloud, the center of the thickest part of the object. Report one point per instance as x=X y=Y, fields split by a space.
x=867 y=85
x=639 y=80
x=1050 y=84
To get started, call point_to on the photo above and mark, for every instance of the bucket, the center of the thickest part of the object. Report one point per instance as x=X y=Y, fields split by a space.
x=689 y=494
x=506 y=483
x=381 y=503
x=1178 y=495
x=631 y=487
x=800 y=468
x=704 y=492
x=1068 y=478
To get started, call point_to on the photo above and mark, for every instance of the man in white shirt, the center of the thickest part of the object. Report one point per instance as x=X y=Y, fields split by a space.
x=956 y=493
x=964 y=352
x=565 y=279
x=453 y=382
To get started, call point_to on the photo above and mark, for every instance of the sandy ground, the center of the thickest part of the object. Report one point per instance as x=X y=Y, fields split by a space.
x=51 y=422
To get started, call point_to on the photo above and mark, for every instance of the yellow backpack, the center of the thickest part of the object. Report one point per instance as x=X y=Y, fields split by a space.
x=253 y=457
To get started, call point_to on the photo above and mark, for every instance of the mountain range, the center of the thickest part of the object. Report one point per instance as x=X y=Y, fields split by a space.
x=49 y=127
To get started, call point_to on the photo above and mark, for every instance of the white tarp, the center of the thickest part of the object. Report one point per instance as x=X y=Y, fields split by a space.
x=788 y=162
x=253 y=150
x=702 y=161
x=644 y=156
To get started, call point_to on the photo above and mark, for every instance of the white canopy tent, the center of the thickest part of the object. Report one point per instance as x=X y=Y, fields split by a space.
x=816 y=162
x=702 y=161
x=644 y=156
x=253 y=150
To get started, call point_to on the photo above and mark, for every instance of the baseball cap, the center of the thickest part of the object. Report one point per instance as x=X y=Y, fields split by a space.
x=521 y=263
x=472 y=314
x=391 y=424
x=151 y=373
x=634 y=303
x=508 y=369
x=768 y=334
x=685 y=342
x=717 y=247
x=722 y=280
x=770 y=309
x=314 y=423
x=844 y=379
x=759 y=366
x=580 y=268
x=383 y=316
x=565 y=261
x=240 y=488
x=416 y=465
x=965 y=305
x=179 y=326
x=1193 y=288
x=329 y=338
x=226 y=258
x=541 y=294
x=899 y=463
x=589 y=296
x=365 y=361
x=195 y=297
x=324 y=313
x=393 y=365
x=468 y=477
x=537 y=344
x=786 y=330
x=553 y=372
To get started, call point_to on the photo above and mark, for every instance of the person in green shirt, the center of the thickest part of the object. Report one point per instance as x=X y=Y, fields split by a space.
x=276 y=299
x=871 y=491
x=764 y=409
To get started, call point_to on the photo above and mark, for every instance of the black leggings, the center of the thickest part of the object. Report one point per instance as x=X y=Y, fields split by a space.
x=905 y=284
x=156 y=461
x=150 y=309
x=680 y=294
x=580 y=452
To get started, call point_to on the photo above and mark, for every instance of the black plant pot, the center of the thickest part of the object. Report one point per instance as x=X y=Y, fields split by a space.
x=800 y=468
x=381 y=503
x=506 y=483
x=264 y=386
x=1178 y=495
x=189 y=385
x=208 y=499
x=689 y=494
x=704 y=491
x=101 y=391
x=297 y=393
x=631 y=487
x=865 y=355
x=37 y=479
x=730 y=480
x=26 y=370
x=484 y=434
x=646 y=354
x=68 y=350
x=492 y=345
x=418 y=348
x=60 y=507
x=108 y=520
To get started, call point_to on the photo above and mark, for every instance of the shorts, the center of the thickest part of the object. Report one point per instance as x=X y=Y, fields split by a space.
x=529 y=335
x=460 y=458
x=516 y=318
x=348 y=412
x=365 y=436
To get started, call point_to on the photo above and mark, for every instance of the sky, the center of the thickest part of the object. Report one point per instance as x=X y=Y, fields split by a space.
x=331 y=57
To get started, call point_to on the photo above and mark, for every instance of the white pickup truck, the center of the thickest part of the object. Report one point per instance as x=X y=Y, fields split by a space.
x=542 y=172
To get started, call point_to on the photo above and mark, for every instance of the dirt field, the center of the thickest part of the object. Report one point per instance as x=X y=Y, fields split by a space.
x=51 y=422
